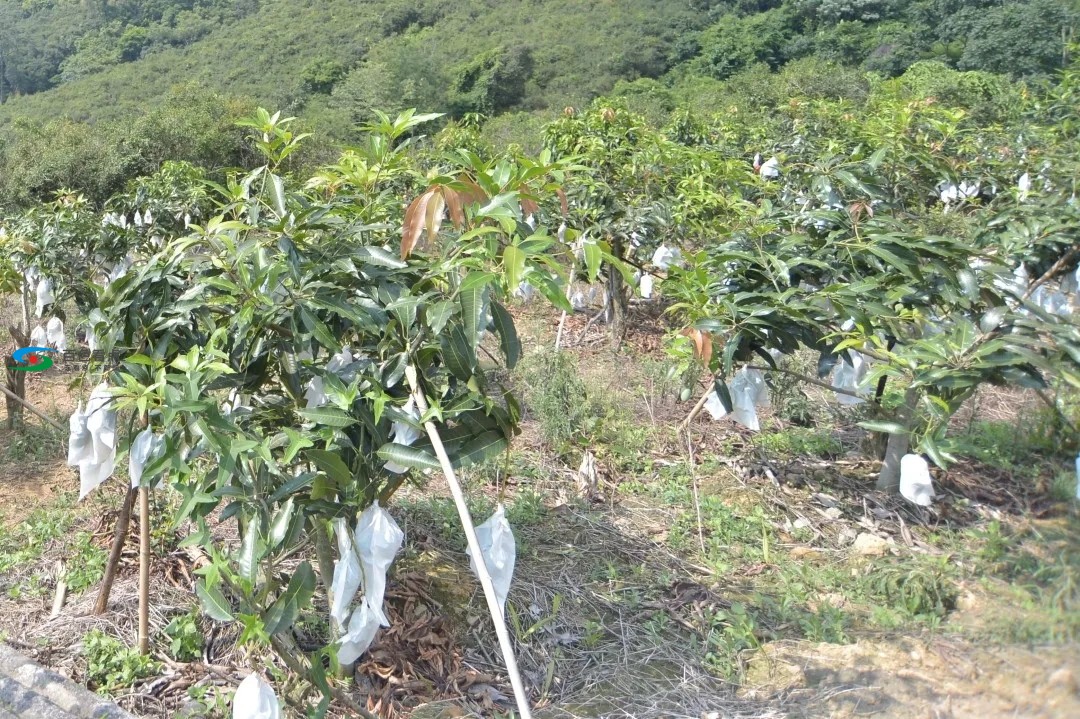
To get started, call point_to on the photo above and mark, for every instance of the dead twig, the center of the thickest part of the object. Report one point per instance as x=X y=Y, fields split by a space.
x=32 y=408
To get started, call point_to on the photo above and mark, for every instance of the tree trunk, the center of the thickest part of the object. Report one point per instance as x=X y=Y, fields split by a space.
x=324 y=554
x=898 y=445
x=618 y=304
x=16 y=380
x=119 y=536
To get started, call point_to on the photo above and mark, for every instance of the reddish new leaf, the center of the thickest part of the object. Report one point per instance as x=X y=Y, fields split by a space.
x=472 y=193
x=434 y=215
x=415 y=219
x=528 y=207
x=454 y=205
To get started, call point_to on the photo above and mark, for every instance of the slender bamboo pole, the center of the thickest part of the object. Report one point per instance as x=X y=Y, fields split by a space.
x=569 y=291
x=25 y=307
x=507 y=648
x=119 y=535
x=61 y=590
x=144 y=570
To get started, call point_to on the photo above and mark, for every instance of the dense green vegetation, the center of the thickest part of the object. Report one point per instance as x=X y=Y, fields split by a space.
x=336 y=60
x=95 y=93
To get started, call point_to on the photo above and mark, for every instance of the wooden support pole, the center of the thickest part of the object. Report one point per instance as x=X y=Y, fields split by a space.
x=119 y=536
x=569 y=291
x=61 y=590
x=497 y=618
x=144 y=570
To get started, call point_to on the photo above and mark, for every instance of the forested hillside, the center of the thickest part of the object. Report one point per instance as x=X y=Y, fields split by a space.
x=338 y=59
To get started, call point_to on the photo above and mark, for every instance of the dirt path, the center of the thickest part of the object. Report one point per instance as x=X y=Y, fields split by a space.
x=905 y=677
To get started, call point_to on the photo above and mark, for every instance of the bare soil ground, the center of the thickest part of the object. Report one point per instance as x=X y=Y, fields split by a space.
x=731 y=575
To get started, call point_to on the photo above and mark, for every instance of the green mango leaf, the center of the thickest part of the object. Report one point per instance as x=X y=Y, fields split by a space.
x=993 y=318
x=379 y=257
x=277 y=194
x=408 y=456
x=320 y=330
x=279 y=527
x=884 y=427
x=292 y=486
x=213 y=602
x=297 y=594
x=508 y=337
x=252 y=550
x=723 y=394
x=593 y=258
x=327 y=416
x=513 y=265
x=471 y=301
x=297 y=442
x=459 y=355
x=332 y=465
x=486 y=446
x=438 y=314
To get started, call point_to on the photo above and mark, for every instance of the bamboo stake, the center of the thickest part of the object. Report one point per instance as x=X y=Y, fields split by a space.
x=25 y=306
x=697 y=408
x=693 y=479
x=119 y=535
x=144 y=570
x=474 y=548
x=32 y=408
x=569 y=290
x=61 y=590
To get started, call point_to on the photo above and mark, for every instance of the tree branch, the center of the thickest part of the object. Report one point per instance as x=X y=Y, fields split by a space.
x=1052 y=272
x=290 y=654
x=1057 y=410
x=808 y=380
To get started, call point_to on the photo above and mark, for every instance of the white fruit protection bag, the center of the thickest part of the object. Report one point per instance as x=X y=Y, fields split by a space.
x=915 y=483
x=366 y=557
x=255 y=699
x=499 y=550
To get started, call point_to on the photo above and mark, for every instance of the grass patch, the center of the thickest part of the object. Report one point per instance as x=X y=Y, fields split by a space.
x=111 y=665
x=35 y=443
x=800 y=442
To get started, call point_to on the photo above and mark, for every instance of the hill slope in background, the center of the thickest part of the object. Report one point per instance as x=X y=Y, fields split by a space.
x=335 y=60
x=287 y=53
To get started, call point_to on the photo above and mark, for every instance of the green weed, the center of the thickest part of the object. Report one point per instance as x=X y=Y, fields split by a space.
x=35 y=443
x=801 y=441
x=86 y=563
x=111 y=665
x=827 y=624
x=1063 y=487
x=184 y=636
x=556 y=396
x=24 y=543
x=527 y=509
x=729 y=635
x=918 y=588
x=211 y=702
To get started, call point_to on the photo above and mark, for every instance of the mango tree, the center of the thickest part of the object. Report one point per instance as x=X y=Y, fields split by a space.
x=312 y=313
x=836 y=259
